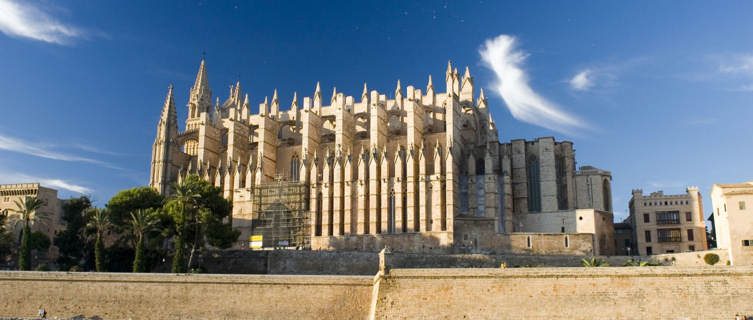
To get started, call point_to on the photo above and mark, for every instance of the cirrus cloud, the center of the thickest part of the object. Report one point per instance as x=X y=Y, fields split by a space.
x=502 y=56
x=23 y=20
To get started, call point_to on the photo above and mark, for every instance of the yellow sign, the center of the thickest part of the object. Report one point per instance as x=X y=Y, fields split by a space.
x=255 y=242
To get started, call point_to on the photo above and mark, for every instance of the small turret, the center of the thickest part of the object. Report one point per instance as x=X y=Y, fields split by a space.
x=294 y=106
x=263 y=108
x=275 y=111
x=201 y=96
x=318 y=99
x=448 y=78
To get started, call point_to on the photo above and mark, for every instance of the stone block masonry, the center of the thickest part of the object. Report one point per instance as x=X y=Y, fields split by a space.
x=169 y=296
x=492 y=293
x=566 y=293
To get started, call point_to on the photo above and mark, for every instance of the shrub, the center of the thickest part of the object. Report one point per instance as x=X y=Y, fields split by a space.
x=594 y=262
x=711 y=258
x=75 y=268
x=42 y=267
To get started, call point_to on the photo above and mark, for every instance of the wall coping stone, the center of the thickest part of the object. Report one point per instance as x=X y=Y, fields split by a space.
x=571 y=272
x=267 y=279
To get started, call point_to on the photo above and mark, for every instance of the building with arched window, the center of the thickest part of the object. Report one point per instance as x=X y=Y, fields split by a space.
x=416 y=170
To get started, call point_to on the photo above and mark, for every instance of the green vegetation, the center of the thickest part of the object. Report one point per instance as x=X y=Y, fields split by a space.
x=28 y=209
x=594 y=262
x=639 y=263
x=711 y=258
x=198 y=210
x=72 y=243
x=99 y=221
x=142 y=221
x=136 y=225
x=6 y=238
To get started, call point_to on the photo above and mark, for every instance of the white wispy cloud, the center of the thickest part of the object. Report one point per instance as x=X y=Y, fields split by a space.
x=582 y=81
x=40 y=150
x=11 y=177
x=742 y=64
x=24 y=20
x=502 y=56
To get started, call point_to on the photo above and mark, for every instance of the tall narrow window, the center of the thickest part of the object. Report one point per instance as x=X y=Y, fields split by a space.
x=690 y=235
x=534 y=188
x=741 y=205
x=561 y=169
x=606 y=195
x=295 y=165
x=648 y=235
x=392 y=212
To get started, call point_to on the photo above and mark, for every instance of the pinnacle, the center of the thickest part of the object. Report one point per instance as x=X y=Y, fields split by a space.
x=481 y=95
x=245 y=101
x=295 y=99
x=467 y=72
x=274 y=96
x=334 y=94
x=202 y=82
x=449 y=66
x=365 y=89
x=318 y=88
x=430 y=84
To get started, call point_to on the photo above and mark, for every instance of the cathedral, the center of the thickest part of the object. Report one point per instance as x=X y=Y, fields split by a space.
x=416 y=171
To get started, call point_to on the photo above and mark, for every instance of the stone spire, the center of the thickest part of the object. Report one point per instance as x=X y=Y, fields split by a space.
x=263 y=107
x=201 y=95
x=365 y=93
x=318 y=99
x=275 y=111
x=430 y=85
x=216 y=112
x=448 y=78
x=169 y=116
x=294 y=106
x=334 y=96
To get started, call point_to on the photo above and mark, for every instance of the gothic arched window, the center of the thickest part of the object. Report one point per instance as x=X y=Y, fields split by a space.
x=606 y=193
x=534 y=188
x=295 y=165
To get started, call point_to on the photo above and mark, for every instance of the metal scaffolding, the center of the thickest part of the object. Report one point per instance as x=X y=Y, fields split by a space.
x=282 y=216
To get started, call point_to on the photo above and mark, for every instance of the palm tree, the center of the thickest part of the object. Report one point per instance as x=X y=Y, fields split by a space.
x=142 y=221
x=28 y=210
x=186 y=197
x=100 y=222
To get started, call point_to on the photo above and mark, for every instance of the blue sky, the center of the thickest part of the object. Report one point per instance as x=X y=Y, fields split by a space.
x=660 y=93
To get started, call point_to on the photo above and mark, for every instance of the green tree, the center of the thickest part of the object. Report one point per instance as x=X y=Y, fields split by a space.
x=99 y=220
x=201 y=217
x=71 y=241
x=142 y=221
x=28 y=209
x=124 y=202
x=39 y=241
x=185 y=198
x=6 y=238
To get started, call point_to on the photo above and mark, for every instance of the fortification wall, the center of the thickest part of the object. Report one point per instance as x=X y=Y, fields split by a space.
x=566 y=293
x=525 y=293
x=168 y=296
x=691 y=259
x=366 y=263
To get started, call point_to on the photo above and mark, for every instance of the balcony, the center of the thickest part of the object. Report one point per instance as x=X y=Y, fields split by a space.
x=669 y=217
x=670 y=235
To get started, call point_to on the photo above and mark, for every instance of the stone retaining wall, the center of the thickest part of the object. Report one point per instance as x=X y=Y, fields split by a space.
x=170 y=296
x=520 y=293
x=566 y=293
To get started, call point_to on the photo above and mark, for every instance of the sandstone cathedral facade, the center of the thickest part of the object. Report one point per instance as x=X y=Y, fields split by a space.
x=415 y=171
